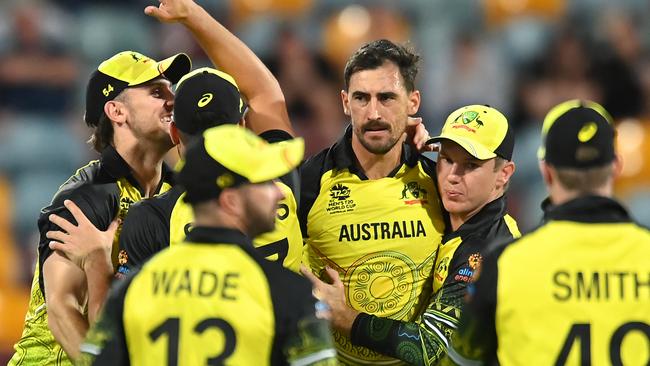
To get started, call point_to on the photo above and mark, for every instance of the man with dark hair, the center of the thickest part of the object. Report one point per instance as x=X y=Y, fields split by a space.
x=369 y=206
x=194 y=295
x=576 y=290
x=473 y=170
x=129 y=103
x=374 y=54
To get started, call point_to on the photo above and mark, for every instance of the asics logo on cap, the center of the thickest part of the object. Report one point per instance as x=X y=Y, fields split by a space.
x=205 y=99
x=587 y=132
x=107 y=90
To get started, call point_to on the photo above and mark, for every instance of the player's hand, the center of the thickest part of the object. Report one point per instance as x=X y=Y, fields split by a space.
x=83 y=244
x=171 y=10
x=341 y=315
x=417 y=135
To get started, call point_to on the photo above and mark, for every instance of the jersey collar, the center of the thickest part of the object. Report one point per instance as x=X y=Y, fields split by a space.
x=483 y=219
x=218 y=235
x=118 y=168
x=344 y=158
x=588 y=209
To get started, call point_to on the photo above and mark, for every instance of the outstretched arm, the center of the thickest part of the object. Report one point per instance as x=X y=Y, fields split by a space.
x=267 y=107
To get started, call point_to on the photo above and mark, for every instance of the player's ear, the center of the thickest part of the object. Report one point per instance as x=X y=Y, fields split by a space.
x=345 y=100
x=230 y=201
x=413 y=102
x=505 y=173
x=545 y=170
x=174 y=133
x=617 y=166
x=116 y=111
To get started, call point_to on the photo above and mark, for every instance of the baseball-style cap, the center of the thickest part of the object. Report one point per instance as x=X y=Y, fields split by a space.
x=127 y=69
x=481 y=130
x=577 y=134
x=206 y=98
x=229 y=155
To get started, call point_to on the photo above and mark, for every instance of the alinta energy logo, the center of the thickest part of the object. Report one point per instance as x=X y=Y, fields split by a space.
x=413 y=194
x=340 y=200
x=469 y=121
x=471 y=270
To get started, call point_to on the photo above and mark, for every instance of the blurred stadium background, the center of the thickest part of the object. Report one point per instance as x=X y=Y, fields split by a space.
x=520 y=56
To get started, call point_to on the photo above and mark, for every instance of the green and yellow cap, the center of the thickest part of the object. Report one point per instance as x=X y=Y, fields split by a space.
x=205 y=98
x=127 y=69
x=228 y=156
x=481 y=130
x=577 y=134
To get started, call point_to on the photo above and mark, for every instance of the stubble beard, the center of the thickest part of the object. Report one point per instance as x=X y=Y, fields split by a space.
x=378 y=147
x=259 y=222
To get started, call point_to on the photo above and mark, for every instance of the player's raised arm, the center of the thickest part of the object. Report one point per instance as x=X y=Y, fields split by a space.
x=267 y=107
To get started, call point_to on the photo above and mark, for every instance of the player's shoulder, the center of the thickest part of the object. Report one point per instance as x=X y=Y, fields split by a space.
x=501 y=245
x=285 y=284
x=159 y=206
x=426 y=162
x=89 y=183
x=316 y=164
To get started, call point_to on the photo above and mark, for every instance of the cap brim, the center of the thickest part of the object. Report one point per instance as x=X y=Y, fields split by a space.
x=172 y=68
x=278 y=159
x=249 y=156
x=473 y=148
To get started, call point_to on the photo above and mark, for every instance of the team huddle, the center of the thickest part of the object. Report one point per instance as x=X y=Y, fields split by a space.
x=367 y=253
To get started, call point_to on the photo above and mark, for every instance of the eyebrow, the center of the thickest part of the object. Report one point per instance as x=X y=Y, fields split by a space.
x=157 y=83
x=161 y=83
x=360 y=94
x=387 y=94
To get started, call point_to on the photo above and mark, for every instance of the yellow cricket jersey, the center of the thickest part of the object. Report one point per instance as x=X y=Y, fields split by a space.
x=381 y=235
x=103 y=189
x=154 y=224
x=212 y=300
x=575 y=291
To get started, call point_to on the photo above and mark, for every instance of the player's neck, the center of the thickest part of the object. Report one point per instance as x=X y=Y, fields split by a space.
x=145 y=164
x=377 y=166
x=218 y=218
x=559 y=195
x=456 y=219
